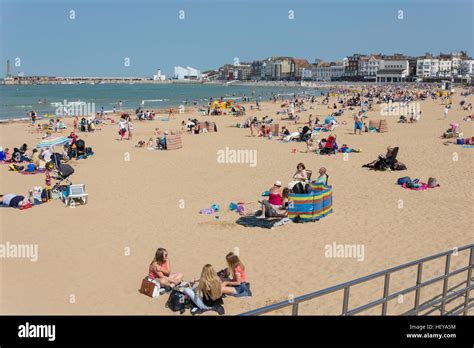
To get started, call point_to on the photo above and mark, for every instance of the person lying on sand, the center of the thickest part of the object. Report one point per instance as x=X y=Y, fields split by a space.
x=16 y=201
x=160 y=269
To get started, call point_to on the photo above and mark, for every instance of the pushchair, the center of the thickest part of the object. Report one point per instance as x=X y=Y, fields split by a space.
x=62 y=173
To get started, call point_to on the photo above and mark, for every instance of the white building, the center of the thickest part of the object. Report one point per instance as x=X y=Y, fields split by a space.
x=445 y=68
x=428 y=67
x=307 y=74
x=324 y=71
x=187 y=73
x=363 y=69
x=159 y=76
x=467 y=67
x=392 y=71
x=373 y=66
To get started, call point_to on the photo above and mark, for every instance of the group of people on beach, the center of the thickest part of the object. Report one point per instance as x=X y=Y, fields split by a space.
x=278 y=202
x=207 y=292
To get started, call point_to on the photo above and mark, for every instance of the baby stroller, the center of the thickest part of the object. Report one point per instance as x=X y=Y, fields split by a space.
x=62 y=173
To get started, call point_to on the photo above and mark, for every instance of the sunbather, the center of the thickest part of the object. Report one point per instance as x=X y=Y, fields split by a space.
x=160 y=268
x=238 y=285
x=16 y=201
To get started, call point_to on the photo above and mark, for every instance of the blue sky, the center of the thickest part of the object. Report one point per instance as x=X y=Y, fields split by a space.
x=150 y=33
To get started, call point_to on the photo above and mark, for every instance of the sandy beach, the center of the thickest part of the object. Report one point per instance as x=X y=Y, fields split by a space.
x=92 y=258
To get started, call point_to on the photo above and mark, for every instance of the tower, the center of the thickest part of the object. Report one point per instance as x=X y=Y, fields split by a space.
x=8 y=68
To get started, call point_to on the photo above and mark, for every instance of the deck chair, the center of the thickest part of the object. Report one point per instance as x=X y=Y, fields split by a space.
x=389 y=162
x=75 y=192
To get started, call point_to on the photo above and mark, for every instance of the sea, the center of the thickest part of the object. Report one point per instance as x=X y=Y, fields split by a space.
x=17 y=100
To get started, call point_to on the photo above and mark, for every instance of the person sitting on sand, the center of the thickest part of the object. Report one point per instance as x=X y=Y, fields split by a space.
x=238 y=285
x=284 y=132
x=150 y=144
x=161 y=141
x=206 y=293
x=160 y=269
x=274 y=206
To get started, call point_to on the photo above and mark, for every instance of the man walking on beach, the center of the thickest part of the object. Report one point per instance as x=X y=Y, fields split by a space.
x=170 y=113
x=446 y=110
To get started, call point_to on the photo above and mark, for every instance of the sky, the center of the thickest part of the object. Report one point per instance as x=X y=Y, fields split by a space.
x=136 y=37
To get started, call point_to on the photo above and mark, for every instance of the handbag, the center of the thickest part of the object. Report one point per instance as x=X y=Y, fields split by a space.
x=150 y=287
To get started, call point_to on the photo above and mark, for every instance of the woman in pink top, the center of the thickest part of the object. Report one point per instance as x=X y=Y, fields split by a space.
x=160 y=269
x=238 y=286
x=273 y=206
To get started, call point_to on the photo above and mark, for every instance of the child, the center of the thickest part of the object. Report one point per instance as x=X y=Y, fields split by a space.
x=49 y=168
x=150 y=144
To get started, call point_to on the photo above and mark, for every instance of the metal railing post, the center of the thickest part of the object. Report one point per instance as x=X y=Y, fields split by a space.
x=294 y=308
x=385 y=293
x=445 y=283
x=418 y=282
x=345 y=303
x=468 y=283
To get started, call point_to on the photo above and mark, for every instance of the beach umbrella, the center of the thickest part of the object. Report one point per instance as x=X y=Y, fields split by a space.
x=48 y=143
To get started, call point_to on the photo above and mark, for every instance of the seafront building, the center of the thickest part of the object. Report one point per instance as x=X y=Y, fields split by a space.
x=187 y=73
x=159 y=76
x=377 y=67
x=393 y=71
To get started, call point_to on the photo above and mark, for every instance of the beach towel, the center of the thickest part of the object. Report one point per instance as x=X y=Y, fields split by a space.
x=419 y=187
x=253 y=221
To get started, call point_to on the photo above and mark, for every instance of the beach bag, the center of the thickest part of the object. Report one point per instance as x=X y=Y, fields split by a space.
x=150 y=288
x=224 y=275
x=404 y=180
x=460 y=141
x=178 y=301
